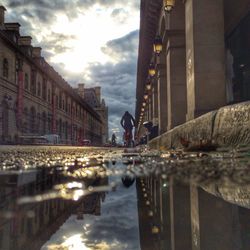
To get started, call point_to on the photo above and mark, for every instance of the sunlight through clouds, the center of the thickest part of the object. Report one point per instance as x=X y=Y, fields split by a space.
x=91 y=30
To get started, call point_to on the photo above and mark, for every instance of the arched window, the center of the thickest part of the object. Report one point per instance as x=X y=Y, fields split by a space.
x=60 y=127
x=5 y=68
x=39 y=89
x=44 y=90
x=32 y=120
x=33 y=83
x=38 y=122
x=26 y=81
x=5 y=120
x=60 y=100
x=49 y=96
x=44 y=121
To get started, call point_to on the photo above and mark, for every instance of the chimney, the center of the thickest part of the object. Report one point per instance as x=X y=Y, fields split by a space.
x=36 y=51
x=98 y=93
x=81 y=89
x=24 y=40
x=12 y=26
x=2 y=10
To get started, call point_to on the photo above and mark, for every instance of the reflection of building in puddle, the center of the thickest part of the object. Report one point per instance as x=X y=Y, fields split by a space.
x=174 y=215
x=231 y=192
x=29 y=225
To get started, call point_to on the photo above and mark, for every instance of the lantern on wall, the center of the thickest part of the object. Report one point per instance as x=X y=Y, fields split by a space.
x=157 y=45
x=168 y=5
x=151 y=70
x=148 y=84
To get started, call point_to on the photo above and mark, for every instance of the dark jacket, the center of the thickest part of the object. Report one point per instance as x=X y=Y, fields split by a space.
x=127 y=121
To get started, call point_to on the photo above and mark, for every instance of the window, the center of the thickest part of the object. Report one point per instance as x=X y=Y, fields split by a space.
x=26 y=81
x=57 y=101
x=49 y=96
x=5 y=68
x=63 y=105
x=33 y=83
x=39 y=89
x=69 y=109
x=44 y=90
x=60 y=100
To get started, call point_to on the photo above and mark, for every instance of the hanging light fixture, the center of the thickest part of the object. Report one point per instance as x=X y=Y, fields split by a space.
x=151 y=70
x=157 y=45
x=168 y=5
x=148 y=84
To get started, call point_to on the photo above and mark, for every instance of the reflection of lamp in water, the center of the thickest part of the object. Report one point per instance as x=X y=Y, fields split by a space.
x=168 y=5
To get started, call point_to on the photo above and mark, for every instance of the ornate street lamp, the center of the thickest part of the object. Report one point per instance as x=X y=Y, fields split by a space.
x=157 y=45
x=151 y=70
x=148 y=84
x=168 y=5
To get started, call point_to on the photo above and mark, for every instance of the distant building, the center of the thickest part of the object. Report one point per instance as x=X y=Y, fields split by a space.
x=92 y=96
x=35 y=99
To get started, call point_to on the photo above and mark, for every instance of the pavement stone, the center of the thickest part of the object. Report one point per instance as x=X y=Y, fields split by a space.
x=230 y=125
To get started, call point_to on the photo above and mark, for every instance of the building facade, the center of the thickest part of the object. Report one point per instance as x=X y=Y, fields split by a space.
x=34 y=98
x=203 y=62
x=92 y=96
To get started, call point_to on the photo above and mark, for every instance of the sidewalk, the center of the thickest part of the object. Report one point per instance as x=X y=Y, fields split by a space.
x=230 y=125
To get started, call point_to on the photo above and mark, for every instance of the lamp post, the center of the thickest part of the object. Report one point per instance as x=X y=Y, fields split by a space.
x=151 y=70
x=168 y=5
x=148 y=84
x=157 y=45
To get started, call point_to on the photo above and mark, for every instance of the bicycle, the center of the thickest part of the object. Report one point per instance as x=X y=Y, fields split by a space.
x=128 y=138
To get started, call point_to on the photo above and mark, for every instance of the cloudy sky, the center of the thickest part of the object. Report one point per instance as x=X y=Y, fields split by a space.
x=89 y=41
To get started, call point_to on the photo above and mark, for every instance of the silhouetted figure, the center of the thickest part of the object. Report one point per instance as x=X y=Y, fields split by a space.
x=113 y=139
x=128 y=122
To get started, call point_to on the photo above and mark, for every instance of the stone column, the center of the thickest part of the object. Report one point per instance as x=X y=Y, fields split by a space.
x=205 y=56
x=162 y=93
x=165 y=215
x=176 y=66
x=213 y=222
x=180 y=217
x=155 y=105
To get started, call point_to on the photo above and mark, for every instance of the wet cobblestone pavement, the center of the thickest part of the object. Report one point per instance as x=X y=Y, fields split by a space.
x=41 y=187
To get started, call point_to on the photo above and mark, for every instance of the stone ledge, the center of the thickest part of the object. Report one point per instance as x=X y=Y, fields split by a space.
x=230 y=125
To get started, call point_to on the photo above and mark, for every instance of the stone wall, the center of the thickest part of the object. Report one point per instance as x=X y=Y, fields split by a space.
x=230 y=125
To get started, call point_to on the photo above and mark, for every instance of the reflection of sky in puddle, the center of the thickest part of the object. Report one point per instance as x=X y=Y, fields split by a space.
x=116 y=229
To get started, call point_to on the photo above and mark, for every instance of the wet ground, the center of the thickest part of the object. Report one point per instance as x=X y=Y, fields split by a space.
x=79 y=198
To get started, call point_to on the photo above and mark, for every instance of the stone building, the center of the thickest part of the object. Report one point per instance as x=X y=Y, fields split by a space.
x=34 y=98
x=92 y=96
x=194 y=57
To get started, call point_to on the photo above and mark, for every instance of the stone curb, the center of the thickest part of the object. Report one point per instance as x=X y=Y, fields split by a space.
x=230 y=125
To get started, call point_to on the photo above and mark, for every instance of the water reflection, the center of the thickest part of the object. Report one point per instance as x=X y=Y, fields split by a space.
x=95 y=199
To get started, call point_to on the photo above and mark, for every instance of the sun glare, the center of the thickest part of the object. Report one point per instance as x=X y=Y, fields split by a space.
x=88 y=33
